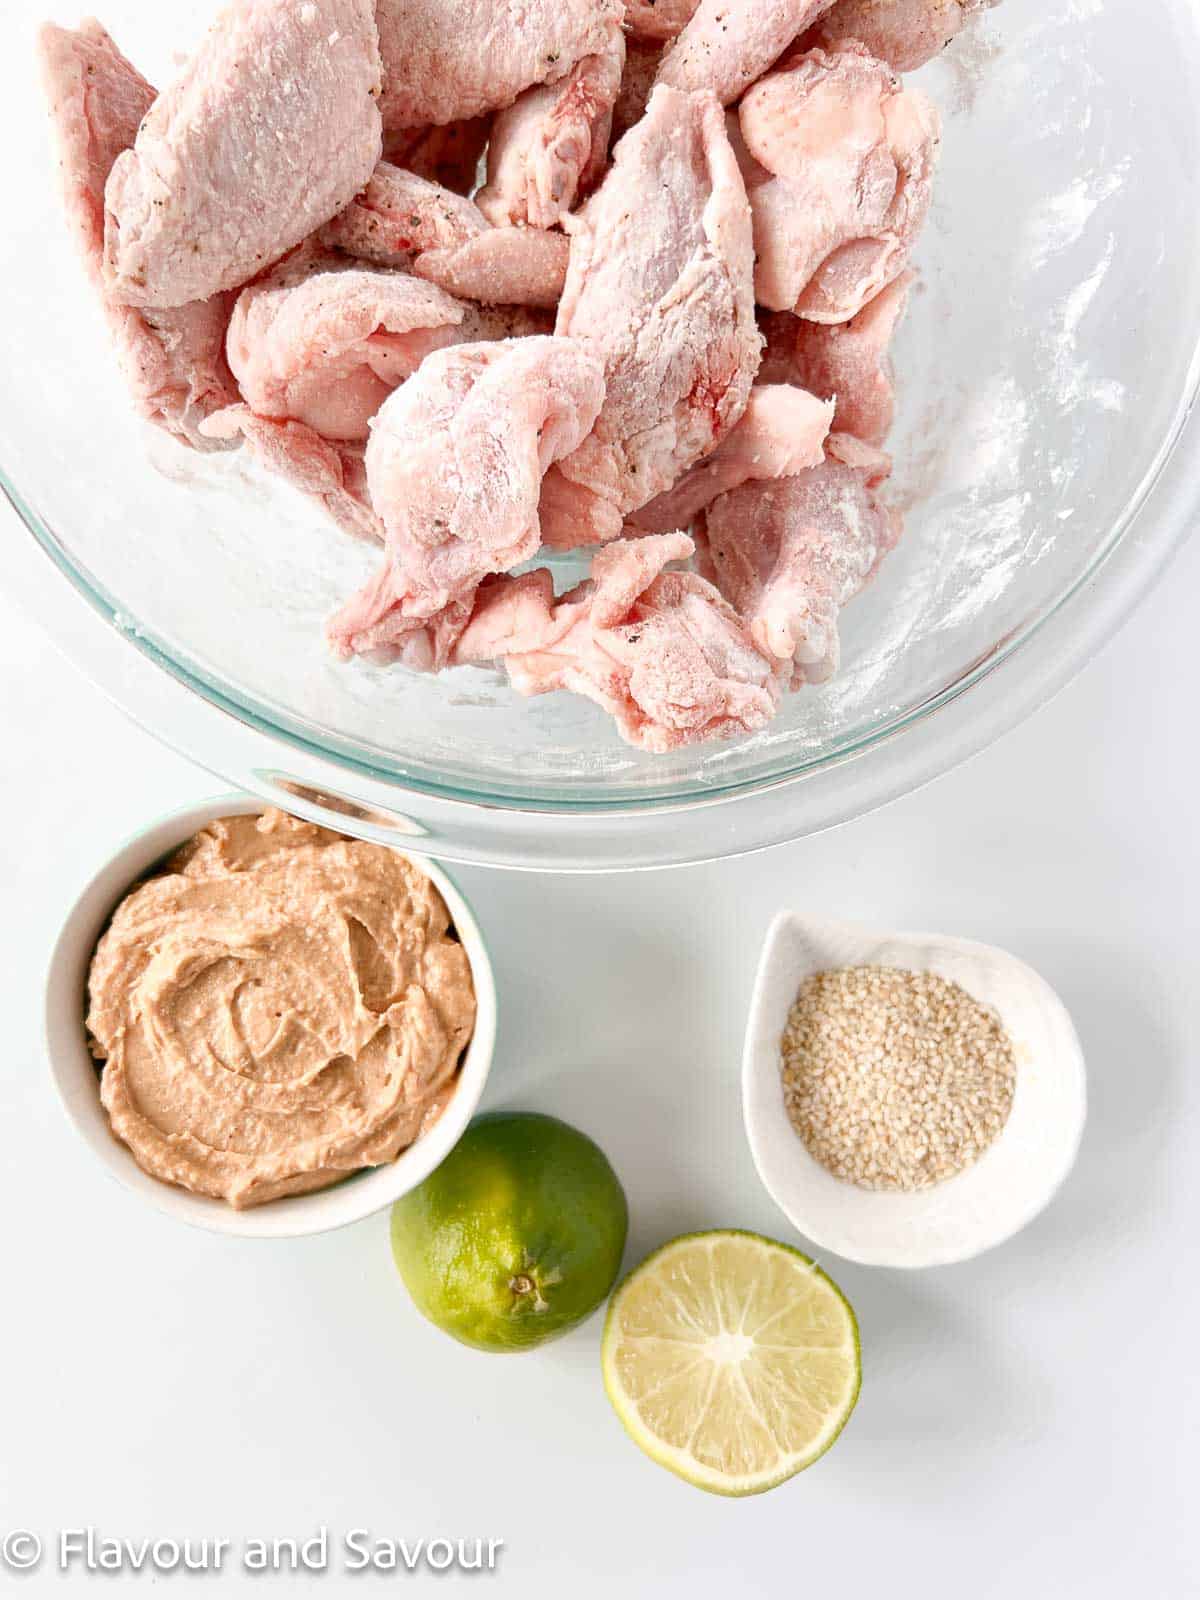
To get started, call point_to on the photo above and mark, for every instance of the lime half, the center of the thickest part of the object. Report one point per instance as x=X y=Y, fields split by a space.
x=732 y=1360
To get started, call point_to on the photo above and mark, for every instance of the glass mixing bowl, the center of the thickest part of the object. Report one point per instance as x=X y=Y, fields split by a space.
x=1046 y=370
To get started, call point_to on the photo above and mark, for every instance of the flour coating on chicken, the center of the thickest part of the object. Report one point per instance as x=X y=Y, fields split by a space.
x=326 y=343
x=480 y=281
x=850 y=363
x=548 y=149
x=444 y=64
x=660 y=650
x=173 y=361
x=501 y=267
x=790 y=553
x=660 y=287
x=904 y=33
x=781 y=432
x=270 y=131
x=455 y=466
x=398 y=214
x=843 y=159
x=727 y=44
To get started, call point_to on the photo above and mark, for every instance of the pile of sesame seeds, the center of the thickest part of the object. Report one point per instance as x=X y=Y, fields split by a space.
x=894 y=1079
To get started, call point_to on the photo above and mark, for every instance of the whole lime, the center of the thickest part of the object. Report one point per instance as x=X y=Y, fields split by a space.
x=516 y=1237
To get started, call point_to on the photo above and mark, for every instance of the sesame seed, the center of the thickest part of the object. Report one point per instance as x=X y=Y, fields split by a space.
x=894 y=1079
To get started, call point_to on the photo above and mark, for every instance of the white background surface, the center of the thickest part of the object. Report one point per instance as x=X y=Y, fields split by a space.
x=1027 y=1422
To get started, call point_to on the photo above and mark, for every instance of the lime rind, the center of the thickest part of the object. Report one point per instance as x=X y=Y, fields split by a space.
x=679 y=1461
x=517 y=1237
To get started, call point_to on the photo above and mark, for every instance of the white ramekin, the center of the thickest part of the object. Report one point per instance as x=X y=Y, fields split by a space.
x=987 y=1203
x=76 y=1078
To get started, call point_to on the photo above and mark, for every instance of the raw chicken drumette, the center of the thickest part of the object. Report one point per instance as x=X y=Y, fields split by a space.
x=318 y=346
x=501 y=267
x=455 y=466
x=659 y=288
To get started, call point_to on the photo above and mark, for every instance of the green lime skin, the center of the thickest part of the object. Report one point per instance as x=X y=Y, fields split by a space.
x=516 y=1237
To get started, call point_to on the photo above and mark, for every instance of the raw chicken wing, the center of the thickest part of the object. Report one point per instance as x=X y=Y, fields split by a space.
x=669 y=306
x=271 y=131
x=325 y=343
x=661 y=651
x=173 y=361
x=501 y=267
x=790 y=553
x=548 y=150
x=398 y=215
x=904 y=33
x=511 y=613
x=850 y=155
x=659 y=286
x=455 y=465
x=727 y=44
x=850 y=362
x=444 y=63
x=401 y=220
x=781 y=432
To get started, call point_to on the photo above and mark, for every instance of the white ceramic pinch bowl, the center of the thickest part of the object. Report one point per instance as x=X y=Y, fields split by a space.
x=1014 y=1178
x=78 y=1083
